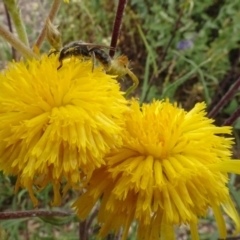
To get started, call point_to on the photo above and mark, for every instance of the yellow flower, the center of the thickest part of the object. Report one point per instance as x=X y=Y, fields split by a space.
x=56 y=123
x=170 y=170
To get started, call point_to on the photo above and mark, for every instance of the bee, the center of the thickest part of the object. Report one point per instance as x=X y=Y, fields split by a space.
x=86 y=51
x=102 y=57
x=117 y=66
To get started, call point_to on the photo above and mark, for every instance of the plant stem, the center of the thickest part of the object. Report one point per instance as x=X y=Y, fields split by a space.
x=15 y=14
x=16 y=43
x=83 y=231
x=225 y=99
x=51 y=16
x=32 y=213
x=117 y=25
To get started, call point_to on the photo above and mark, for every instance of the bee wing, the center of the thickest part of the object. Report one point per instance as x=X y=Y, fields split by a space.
x=94 y=45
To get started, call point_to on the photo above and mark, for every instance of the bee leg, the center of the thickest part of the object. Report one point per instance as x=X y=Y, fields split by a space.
x=52 y=52
x=60 y=65
x=93 y=60
x=103 y=58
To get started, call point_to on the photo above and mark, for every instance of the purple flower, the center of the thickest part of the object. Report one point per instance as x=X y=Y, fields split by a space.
x=185 y=44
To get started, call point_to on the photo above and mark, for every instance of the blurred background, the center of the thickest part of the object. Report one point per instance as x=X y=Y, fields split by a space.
x=187 y=51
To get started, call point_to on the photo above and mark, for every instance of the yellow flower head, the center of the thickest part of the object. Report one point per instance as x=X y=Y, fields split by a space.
x=56 y=124
x=165 y=174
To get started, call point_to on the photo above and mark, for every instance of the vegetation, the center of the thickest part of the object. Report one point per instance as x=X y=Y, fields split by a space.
x=187 y=51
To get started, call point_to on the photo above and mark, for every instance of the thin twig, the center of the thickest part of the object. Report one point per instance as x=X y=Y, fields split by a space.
x=95 y=230
x=51 y=16
x=32 y=213
x=231 y=120
x=110 y=236
x=230 y=238
x=176 y=26
x=117 y=26
x=225 y=99
x=92 y=217
x=11 y=30
x=83 y=231
x=119 y=235
x=225 y=83
x=16 y=43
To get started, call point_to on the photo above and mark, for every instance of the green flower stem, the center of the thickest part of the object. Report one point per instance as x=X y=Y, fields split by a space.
x=15 y=14
x=135 y=82
x=16 y=43
x=51 y=16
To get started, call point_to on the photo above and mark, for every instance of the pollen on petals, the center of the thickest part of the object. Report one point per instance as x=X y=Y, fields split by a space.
x=167 y=173
x=57 y=125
